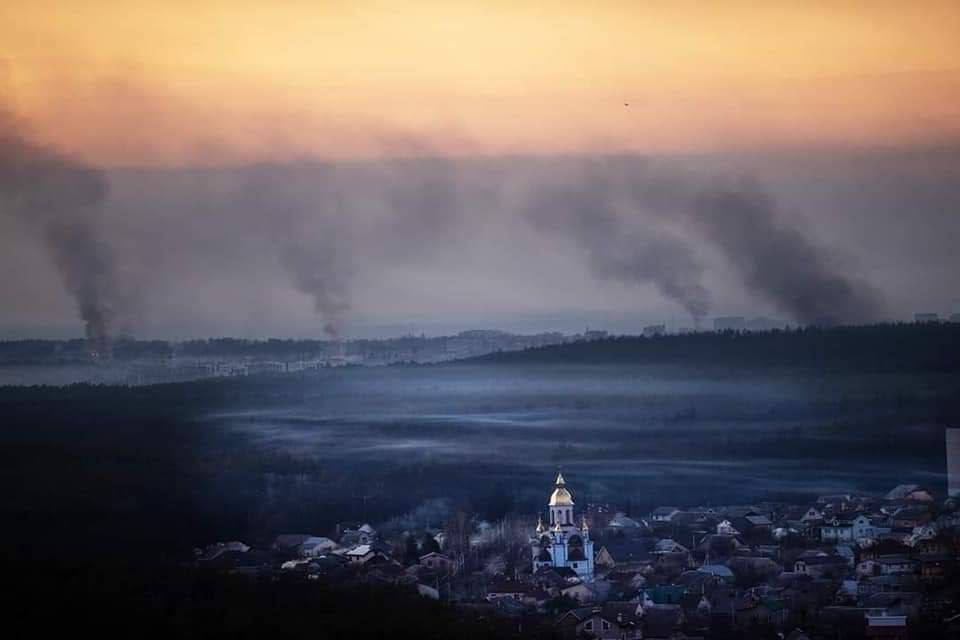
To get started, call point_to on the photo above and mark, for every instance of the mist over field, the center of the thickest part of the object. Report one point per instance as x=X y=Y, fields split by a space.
x=648 y=434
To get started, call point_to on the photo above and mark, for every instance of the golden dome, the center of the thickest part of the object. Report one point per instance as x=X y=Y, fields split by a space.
x=540 y=528
x=560 y=496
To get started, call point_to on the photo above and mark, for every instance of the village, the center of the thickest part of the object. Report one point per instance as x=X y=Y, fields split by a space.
x=844 y=565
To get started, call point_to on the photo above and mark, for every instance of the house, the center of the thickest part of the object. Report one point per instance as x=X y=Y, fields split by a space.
x=882 y=624
x=664 y=594
x=664 y=514
x=518 y=592
x=364 y=553
x=290 y=542
x=667 y=545
x=618 y=551
x=905 y=603
x=886 y=565
x=911 y=517
x=613 y=620
x=821 y=565
x=315 y=546
x=587 y=591
x=434 y=560
x=351 y=534
x=837 y=530
x=726 y=528
x=553 y=580
x=621 y=522
x=513 y=589
x=214 y=551
x=811 y=515
x=717 y=570
x=758 y=521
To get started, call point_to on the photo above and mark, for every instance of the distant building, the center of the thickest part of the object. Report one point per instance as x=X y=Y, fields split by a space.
x=925 y=317
x=953 y=462
x=729 y=323
x=564 y=543
x=654 y=330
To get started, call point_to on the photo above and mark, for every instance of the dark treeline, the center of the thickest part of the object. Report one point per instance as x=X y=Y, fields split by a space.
x=882 y=347
x=876 y=348
x=166 y=602
x=108 y=489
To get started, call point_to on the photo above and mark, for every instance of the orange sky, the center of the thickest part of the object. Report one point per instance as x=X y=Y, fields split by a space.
x=170 y=82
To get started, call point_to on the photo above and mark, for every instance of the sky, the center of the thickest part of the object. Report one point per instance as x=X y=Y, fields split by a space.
x=364 y=167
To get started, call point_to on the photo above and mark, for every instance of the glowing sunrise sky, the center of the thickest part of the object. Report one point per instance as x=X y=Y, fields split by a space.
x=174 y=82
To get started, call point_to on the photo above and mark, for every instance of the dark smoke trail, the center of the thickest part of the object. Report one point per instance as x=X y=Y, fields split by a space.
x=615 y=252
x=309 y=230
x=316 y=272
x=61 y=200
x=780 y=263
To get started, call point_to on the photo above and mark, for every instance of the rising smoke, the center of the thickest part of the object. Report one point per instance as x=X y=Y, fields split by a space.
x=326 y=227
x=638 y=223
x=616 y=250
x=61 y=201
x=780 y=263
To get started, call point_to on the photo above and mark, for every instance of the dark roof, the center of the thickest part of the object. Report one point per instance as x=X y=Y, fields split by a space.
x=822 y=560
x=288 y=540
x=624 y=550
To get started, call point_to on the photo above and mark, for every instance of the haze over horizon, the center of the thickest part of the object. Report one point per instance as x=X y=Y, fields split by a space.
x=304 y=169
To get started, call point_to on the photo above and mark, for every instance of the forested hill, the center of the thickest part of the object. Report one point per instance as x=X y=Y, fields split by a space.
x=882 y=347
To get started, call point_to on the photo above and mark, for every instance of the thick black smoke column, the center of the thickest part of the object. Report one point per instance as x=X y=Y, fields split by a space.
x=616 y=250
x=61 y=201
x=779 y=263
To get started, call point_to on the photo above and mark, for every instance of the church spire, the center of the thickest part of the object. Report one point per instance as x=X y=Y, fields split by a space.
x=560 y=481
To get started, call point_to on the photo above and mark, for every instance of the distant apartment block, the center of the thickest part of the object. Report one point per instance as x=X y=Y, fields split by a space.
x=925 y=317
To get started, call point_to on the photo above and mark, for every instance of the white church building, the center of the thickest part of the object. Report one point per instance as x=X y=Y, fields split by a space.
x=563 y=543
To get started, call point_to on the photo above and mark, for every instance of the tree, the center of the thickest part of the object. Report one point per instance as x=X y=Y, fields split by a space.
x=411 y=551
x=429 y=545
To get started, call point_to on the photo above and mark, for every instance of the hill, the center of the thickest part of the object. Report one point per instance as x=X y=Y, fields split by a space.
x=902 y=348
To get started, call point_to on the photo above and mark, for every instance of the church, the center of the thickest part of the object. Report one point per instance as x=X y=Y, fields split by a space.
x=563 y=543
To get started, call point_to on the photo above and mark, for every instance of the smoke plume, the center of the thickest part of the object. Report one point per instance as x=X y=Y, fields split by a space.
x=615 y=250
x=779 y=263
x=60 y=200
